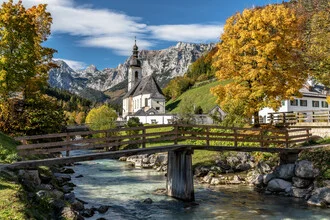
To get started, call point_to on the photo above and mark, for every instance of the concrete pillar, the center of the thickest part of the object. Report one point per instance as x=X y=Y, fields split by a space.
x=288 y=157
x=180 y=184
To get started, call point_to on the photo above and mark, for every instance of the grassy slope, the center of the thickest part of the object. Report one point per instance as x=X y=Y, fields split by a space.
x=200 y=96
x=7 y=148
x=11 y=206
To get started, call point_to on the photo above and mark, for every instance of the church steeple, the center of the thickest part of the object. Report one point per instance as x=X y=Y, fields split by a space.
x=135 y=57
x=135 y=70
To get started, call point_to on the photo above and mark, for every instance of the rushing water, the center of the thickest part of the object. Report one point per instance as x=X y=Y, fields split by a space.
x=113 y=183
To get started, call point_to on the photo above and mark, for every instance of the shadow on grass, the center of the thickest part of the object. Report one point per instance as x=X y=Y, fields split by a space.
x=173 y=105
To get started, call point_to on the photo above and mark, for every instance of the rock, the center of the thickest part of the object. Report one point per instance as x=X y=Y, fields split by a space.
x=284 y=171
x=41 y=194
x=207 y=179
x=147 y=201
x=103 y=209
x=215 y=181
x=300 y=182
x=201 y=171
x=70 y=197
x=123 y=159
x=305 y=169
x=87 y=213
x=233 y=161
x=263 y=168
x=243 y=167
x=161 y=159
x=152 y=159
x=236 y=180
x=216 y=169
x=320 y=197
x=61 y=177
x=138 y=163
x=278 y=185
x=79 y=176
x=147 y=166
x=256 y=180
x=268 y=177
x=30 y=178
x=223 y=165
x=57 y=194
x=57 y=204
x=47 y=187
x=82 y=201
x=68 y=213
x=67 y=189
x=67 y=170
x=44 y=178
x=77 y=205
x=301 y=193
x=145 y=160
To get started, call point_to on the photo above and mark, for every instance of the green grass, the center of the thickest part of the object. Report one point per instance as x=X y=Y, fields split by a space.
x=11 y=205
x=200 y=96
x=8 y=152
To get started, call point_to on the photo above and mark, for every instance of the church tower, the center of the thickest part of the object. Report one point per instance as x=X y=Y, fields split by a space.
x=135 y=70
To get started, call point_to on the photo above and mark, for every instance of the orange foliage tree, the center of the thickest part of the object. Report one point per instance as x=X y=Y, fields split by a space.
x=259 y=54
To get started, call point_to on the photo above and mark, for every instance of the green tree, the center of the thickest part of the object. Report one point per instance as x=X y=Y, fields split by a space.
x=260 y=55
x=101 y=118
x=24 y=62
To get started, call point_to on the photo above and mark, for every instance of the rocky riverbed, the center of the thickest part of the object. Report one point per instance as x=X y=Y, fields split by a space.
x=290 y=179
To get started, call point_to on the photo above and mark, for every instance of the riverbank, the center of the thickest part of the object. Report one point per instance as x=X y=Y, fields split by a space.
x=288 y=178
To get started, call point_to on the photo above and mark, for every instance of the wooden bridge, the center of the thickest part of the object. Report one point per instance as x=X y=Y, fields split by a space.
x=178 y=140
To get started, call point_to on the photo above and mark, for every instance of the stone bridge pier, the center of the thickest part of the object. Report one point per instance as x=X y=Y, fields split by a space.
x=180 y=183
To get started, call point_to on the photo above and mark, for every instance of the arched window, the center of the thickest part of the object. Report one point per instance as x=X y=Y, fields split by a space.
x=136 y=76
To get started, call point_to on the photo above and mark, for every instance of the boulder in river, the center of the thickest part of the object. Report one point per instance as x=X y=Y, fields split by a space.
x=285 y=171
x=301 y=183
x=320 y=197
x=305 y=169
x=278 y=185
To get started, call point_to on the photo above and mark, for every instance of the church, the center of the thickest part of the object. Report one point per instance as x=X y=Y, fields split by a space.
x=144 y=96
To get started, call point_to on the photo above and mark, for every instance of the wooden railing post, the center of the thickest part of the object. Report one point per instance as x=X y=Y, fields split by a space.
x=235 y=137
x=287 y=138
x=144 y=137
x=67 y=146
x=284 y=118
x=176 y=134
x=261 y=138
x=207 y=136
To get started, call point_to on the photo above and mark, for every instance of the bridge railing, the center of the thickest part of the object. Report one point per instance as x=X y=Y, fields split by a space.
x=154 y=135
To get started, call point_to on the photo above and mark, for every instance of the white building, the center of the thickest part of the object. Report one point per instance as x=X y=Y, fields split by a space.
x=144 y=94
x=313 y=99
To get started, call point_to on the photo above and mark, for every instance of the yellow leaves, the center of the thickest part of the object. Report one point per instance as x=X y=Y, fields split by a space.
x=259 y=52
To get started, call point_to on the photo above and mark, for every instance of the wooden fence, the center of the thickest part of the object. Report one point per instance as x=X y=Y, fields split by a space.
x=295 y=117
x=161 y=135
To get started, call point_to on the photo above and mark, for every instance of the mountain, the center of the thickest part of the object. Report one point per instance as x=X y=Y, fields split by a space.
x=163 y=64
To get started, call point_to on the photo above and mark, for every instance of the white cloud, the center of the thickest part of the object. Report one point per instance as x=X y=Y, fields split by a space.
x=75 y=65
x=116 y=30
x=121 y=45
x=187 y=32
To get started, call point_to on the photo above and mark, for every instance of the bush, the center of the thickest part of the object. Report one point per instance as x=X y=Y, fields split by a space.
x=101 y=118
x=34 y=116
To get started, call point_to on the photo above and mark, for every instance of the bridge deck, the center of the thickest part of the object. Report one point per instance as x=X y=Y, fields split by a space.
x=151 y=150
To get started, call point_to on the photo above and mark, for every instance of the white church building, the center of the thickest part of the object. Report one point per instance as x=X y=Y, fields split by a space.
x=144 y=96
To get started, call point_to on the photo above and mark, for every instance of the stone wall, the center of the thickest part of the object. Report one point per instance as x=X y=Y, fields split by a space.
x=322 y=132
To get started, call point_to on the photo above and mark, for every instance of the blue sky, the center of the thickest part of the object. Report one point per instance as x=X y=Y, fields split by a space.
x=101 y=32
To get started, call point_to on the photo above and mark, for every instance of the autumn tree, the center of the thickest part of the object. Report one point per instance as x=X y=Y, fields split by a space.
x=316 y=37
x=259 y=54
x=101 y=118
x=24 y=62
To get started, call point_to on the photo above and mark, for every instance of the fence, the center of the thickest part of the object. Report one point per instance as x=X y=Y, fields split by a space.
x=296 y=117
x=161 y=135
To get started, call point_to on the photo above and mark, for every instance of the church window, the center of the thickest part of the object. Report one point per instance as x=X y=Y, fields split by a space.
x=136 y=75
x=157 y=108
x=146 y=102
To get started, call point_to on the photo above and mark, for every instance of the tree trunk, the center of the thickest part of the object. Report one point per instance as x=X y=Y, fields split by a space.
x=256 y=119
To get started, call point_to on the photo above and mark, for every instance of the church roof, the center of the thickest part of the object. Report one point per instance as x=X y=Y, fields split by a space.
x=147 y=85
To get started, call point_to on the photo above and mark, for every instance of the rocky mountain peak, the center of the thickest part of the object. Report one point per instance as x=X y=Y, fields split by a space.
x=91 y=69
x=163 y=64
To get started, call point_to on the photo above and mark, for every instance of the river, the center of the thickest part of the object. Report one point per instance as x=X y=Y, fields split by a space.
x=113 y=183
